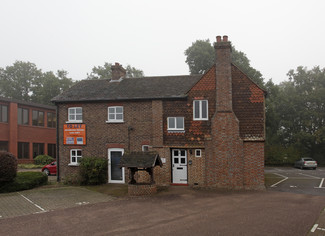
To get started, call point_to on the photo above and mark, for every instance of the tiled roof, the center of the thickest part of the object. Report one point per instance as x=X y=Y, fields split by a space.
x=32 y=104
x=140 y=160
x=129 y=89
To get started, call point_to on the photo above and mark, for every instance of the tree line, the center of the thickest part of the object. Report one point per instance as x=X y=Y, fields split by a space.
x=295 y=108
x=24 y=81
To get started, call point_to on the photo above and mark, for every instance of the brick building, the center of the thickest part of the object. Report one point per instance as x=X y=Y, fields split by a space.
x=27 y=129
x=208 y=129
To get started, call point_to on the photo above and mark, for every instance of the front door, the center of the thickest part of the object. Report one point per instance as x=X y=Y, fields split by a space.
x=179 y=166
x=115 y=173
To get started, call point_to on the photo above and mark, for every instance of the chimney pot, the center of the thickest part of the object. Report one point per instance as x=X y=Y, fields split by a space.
x=117 y=72
x=218 y=39
x=225 y=38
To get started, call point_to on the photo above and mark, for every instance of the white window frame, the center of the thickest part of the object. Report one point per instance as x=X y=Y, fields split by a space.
x=115 y=113
x=109 y=166
x=75 y=115
x=175 y=119
x=200 y=110
x=75 y=163
x=145 y=146
x=198 y=150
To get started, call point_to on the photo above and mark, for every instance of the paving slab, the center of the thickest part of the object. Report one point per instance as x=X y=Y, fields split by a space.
x=48 y=199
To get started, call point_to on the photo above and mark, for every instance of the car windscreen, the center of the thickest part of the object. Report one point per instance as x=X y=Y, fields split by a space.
x=308 y=159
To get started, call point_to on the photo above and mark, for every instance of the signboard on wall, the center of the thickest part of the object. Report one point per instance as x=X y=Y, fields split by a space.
x=74 y=134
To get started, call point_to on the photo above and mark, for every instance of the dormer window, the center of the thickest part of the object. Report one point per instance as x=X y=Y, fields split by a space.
x=75 y=114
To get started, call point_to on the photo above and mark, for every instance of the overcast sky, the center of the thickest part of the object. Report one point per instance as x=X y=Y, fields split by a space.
x=276 y=35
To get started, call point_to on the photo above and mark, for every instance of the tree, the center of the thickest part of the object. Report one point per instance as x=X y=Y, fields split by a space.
x=49 y=86
x=16 y=81
x=105 y=72
x=23 y=81
x=201 y=56
x=296 y=115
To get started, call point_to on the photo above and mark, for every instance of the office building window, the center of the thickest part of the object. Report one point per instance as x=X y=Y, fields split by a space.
x=23 y=150
x=23 y=115
x=38 y=118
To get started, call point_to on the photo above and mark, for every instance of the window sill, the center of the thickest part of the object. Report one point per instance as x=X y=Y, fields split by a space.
x=73 y=164
x=176 y=131
x=200 y=119
x=114 y=121
x=77 y=121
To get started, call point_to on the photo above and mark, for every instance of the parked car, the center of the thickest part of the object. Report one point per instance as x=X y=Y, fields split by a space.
x=50 y=169
x=306 y=162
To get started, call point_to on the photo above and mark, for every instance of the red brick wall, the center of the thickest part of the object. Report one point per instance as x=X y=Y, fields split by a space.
x=248 y=105
x=101 y=135
x=254 y=165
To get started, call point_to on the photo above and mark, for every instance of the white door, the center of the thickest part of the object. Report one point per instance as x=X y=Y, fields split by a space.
x=115 y=173
x=179 y=166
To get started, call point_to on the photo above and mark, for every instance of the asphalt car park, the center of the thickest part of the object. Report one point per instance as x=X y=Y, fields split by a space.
x=44 y=200
x=289 y=179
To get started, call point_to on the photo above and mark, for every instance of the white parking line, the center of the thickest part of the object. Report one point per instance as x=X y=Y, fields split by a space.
x=321 y=184
x=285 y=178
x=314 y=228
x=42 y=210
x=315 y=177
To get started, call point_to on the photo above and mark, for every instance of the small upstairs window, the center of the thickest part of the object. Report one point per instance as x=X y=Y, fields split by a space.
x=175 y=123
x=75 y=114
x=115 y=114
x=200 y=110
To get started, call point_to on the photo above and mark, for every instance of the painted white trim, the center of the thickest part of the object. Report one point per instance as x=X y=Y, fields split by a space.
x=143 y=146
x=76 y=163
x=200 y=152
x=109 y=166
x=200 y=110
x=175 y=129
x=74 y=120
x=115 y=113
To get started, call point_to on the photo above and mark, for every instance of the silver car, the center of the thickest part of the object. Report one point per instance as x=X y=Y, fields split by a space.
x=306 y=162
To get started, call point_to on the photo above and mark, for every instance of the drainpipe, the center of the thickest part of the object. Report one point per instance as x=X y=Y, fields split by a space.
x=57 y=145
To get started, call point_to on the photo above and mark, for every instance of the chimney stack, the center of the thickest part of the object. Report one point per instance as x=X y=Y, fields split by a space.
x=117 y=72
x=223 y=74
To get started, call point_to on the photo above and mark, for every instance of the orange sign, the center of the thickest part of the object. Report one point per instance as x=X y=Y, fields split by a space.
x=74 y=134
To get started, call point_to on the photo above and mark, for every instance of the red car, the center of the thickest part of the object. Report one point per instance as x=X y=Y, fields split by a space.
x=50 y=169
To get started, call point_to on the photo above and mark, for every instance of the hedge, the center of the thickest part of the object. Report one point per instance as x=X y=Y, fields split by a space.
x=24 y=181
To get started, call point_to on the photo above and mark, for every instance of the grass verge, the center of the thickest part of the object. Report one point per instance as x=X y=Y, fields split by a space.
x=24 y=181
x=29 y=166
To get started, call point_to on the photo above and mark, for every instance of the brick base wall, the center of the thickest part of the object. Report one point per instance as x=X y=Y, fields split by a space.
x=141 y=189
x=254 y=165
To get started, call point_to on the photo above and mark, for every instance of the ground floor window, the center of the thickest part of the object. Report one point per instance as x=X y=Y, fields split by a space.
x=75 y=156
x=38 y=149
x=51 y=150
x=4 y=146
x=23 y=150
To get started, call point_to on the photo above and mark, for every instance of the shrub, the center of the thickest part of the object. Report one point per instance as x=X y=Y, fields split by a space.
x=43 y=160
x=8 y=167
x=24 y=181
x=93 y=170
x=72 y=179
